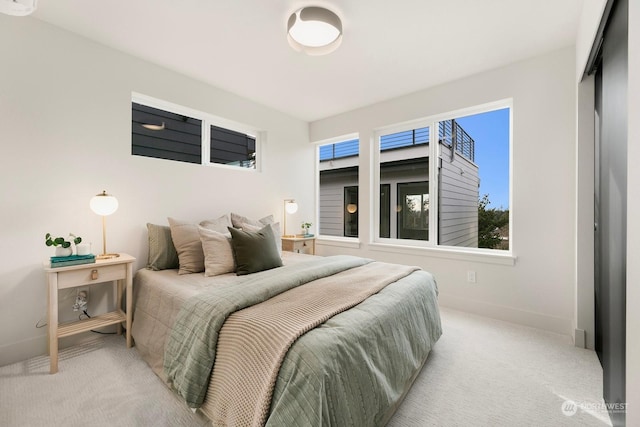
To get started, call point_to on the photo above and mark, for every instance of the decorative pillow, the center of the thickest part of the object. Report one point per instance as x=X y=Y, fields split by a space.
x=254 y=250
x=220 y=224
x=187 y=242
x=162 y=253
x=275 y=227
x=218 y=253
x=238 y=220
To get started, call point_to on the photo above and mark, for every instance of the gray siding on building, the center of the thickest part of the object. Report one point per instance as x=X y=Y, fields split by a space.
x=458 y=197
x=458 y=200
x=332 y=201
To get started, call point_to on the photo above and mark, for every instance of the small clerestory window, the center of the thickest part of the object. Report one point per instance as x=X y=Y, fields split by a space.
x=166 y=131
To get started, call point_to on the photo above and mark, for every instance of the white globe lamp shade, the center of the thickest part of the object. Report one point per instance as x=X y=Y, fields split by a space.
x=103 y=204
x=291 y=207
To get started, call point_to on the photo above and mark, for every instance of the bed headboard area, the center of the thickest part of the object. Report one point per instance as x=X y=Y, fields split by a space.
x=230 y=243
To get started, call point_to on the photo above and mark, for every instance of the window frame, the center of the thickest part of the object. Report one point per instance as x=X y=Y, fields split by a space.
x=341 y=241
x=434 y=155
x=207 y=120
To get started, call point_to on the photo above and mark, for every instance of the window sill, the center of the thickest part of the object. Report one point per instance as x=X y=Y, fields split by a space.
x=502 y=258
x=341 y=242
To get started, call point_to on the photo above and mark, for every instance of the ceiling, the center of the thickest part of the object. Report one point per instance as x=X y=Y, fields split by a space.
x=390 y=48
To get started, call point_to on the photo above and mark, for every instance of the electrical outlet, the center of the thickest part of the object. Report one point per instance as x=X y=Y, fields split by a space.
x=471 y=276
x=82 y=299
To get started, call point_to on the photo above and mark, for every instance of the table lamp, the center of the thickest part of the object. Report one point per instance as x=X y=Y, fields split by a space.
x=291 y=207
x=104 y=204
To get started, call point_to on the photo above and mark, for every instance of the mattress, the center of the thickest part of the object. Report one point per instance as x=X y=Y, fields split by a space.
x=353 y=369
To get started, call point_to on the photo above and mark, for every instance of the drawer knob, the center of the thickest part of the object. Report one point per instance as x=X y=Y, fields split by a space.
x=94 y=274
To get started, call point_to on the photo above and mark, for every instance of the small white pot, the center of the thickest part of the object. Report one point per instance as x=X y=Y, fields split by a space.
x=60 y=251
x=83 y=249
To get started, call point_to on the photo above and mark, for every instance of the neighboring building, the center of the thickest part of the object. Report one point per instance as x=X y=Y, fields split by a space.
x=404 y=187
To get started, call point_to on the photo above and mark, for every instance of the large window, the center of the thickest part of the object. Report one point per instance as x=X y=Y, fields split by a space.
x=166 y=131
x=449 y=179
x=338 y=170
x=403 y=159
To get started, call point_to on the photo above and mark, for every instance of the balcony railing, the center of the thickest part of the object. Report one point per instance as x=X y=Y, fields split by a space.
x=451 y=134
x=339 y=150
x=387 y=142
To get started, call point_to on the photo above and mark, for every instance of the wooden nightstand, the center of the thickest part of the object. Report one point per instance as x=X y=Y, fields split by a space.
x=117 y=270
x=304 y=245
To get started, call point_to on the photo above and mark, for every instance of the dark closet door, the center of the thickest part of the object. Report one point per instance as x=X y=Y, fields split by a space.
x=611 y=206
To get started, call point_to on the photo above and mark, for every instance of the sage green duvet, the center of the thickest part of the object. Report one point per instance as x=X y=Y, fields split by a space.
x=353 y=369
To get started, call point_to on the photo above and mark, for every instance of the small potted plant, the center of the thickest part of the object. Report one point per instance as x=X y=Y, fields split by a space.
x=63 y=246
x=305 y=228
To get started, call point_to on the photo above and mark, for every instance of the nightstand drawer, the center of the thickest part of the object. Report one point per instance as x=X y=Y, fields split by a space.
x=304 y=245
x=90 y=275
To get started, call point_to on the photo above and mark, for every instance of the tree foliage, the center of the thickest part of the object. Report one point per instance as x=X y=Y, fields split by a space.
x=490 y=223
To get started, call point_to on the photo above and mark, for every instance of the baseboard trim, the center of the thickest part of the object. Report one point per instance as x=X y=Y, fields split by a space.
x=509 y=314
x=580 y=338
x=37 y=346
x=22 y=350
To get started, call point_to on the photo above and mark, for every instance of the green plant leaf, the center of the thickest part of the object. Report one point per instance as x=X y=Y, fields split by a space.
x=77 y=240
x=66 y=244
x=48 y=242
x=58 y=241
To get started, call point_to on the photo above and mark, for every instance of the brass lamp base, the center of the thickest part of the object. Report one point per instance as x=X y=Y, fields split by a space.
x=107 y=256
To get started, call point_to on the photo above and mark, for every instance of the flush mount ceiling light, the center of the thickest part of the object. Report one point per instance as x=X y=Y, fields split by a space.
x=314 y=31
x=18 y=7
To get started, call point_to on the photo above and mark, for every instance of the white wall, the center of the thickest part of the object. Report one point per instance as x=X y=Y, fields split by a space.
x=65 y=104
x=539 y=289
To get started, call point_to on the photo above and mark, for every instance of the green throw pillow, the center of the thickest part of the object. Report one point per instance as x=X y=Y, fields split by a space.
x=254 y=250
x=162 y=253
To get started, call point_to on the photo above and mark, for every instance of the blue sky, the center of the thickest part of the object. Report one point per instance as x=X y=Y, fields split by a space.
x=491 y=134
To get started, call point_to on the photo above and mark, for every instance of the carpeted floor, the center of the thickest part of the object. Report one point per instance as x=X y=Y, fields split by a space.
x=482 y=372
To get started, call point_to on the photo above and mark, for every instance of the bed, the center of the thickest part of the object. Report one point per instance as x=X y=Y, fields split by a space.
x=238 y=350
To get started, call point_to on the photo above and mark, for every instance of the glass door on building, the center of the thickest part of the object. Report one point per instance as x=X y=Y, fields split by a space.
x=413 y=210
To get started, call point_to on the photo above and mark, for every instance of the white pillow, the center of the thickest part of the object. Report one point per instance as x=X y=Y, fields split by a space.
x=218 y=253
x=186 y=240
x=238 y=220
x=219 y=224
